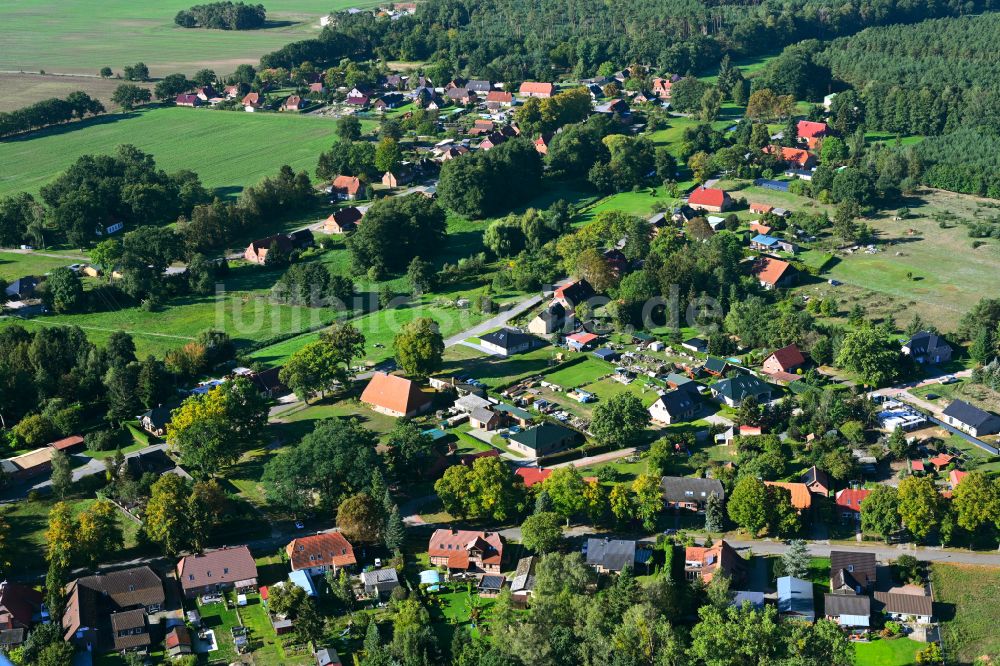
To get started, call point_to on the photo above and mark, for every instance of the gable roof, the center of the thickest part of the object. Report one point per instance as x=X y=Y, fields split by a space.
x=716 y=365
x=713 y=559
x=969 y=414
x=18 y=604
x=327 y=549
x=349 y=184
x=795 y=597
x=905 y=604
x=922 y=342
x=807 y=129
x=536 y=88
x=611 y=554
x=688 y=489
x=394 y=393
x=676 y=402
x=836 y=605
x=795 y=156
x=851 y=568
x=575 y=292
x=770 y=270
x=815 y=475
x=741 y=386
x=499 y=96
x=66 y=443
x=533 y=475
x=226 y=565
x=707 y=196
x=801 y=497
x=524 y=575
x=851 y=498
x=456 y=545
x=788 y=357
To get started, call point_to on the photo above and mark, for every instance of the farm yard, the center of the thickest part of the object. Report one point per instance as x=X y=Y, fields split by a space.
x=74 y=37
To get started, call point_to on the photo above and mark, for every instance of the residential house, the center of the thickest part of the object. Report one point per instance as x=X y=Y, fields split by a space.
x=795 y=599
x=317 y=88
x=581 y=341
x=801 y=497
x=817 y=481
x=485 y=419
x=466 y=550
x=758 y=228
x=293 y=103
x=256 y=252
x=344 y=220
x=535 y=89
x=811 y=132
x=328 y=657
x=852 y=572
x=531 y=476
x=773 y=273
x=612 y=107
x=848 y=610
x=761 y=208
x=358 y=101
x=795 y=157
x=22 y=289
x=108 y=611
x=955 y=477
x=379 y=583
x=397 y=178
x=549 y=320
x=612 y=555
x=572 y=294
x=231 y=92
x=542 y=144
x=208 y=94
x=523 y=583
x=848 y=503
x=506 y=342
x=396 y=81
x=479 y=86
x=709 y=199
x=499 y=98
x=395 y=396
x=765 y=243
x=684 y=492
x=927 y=347
x=319 y=553
x=346 y=187
x=178 y=642
x=734 y=390
x=20 y=609
x=516 y=415
x=716 y=367
x=661 y=87
x=461 y=96
x=674 y=407
x=543 y=439
x=387 y=102
x=784 y=361
x=900 y=606
x=216 y=570
x=187 y=99
x=704 y=562
x=971 y=419
x=252 y=101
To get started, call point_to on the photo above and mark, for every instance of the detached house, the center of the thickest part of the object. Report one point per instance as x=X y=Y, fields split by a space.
x=20 y=609
x=505 y=342
x=773 y=273
x=535 y=89
x=852 y=572
x=346 y=187
x=784 y=361
x=395 y=396
x=343 y=221
x=704 y=563
x=926 y=347
x=684 y=492
x=155 y=421
x=466 y=550
x=252 y=101
x=499 y=98
x=801 y=498
x=674 y=407
x=257 y=251
x=661 y=87
x=187 y=99
x=293 y=103
x=217 y=570
x=549 y=321
x=848 y=503
x=320 y=553
x=817 y=481
x=709 y=199
x=543 y=440
x=735 y=390
x=613 y=555
x=970 y=419
x=794 y=157
x=811 y=132
x=572 y=294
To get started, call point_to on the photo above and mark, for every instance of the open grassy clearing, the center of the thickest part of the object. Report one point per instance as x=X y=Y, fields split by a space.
x=965 y=601
x=14 y=265
x=229 y=150
x=81 y=36
x=24 y=89
x=880 y=652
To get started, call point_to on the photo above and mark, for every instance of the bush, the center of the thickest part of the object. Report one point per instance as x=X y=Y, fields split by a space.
x=100 y=440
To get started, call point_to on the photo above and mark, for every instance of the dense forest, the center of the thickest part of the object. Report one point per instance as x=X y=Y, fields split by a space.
x=517 y=40
x=967 y=160
x=223 y=16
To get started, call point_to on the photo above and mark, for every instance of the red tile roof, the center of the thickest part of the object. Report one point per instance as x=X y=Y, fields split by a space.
x=956 y=476
x=851 y=498
x=941 y=460
x=770 y=271
x=808 y=129
x=394 y=393
x=788 y=357
x=795 y=156
x=761 y=208
x=535 y=88
x=320 y=550
x=533 y=475
x=582 y=338
x=456 y=544
x=67 y=443
x=499 y=96
x=707 y=196
x=801 y=497
x=760 y=228
x=720 y=557
x=917 y=465
x=349 y=184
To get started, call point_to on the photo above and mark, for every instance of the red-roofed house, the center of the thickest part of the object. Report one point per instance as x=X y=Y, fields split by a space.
x=499 y=98
x=465 y=550
x=807 y=129
x=535 y=89
x=801 y=497
x=661 y=87
x=346 y=187
x=293 y=103
x=710 y=199
x=187 y=99
x=758 y=228
x=773 y=273
x=252 y=101
x=320 y=553
x=533 y=475
x=787 y=359
x=955 y=477
x=941 y=460
x=216 y=570
x=801 y=159
x=704 y=563
x=572 y=294
x=395 y=396
x=542 y=144
x=760 y=208
x=916 y=465
x=581 y=341
x=849 y=503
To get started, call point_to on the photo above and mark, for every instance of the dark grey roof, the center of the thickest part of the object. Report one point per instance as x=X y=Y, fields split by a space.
x=678 y=401
x=716 y=365
x=505 y=338
x=612 y=554
x=969 y=414
x=846 y=566
x=555 y=312
x=524 y=575
x=544 y=436
x=491 y=582
x=923 y=341
x=847 y=604
x=815 y=475
x=741 y=386
x=387 y=575
x=159 y=417
x=687 y=489
x=482 y=414
x=906 y=604
x=480 y=86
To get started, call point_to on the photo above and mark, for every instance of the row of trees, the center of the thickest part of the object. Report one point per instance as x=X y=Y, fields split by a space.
x=54 y=111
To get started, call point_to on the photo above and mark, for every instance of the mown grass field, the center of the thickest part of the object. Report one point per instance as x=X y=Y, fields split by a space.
x=898 y=652
x=24 y=89
x=81 y=36
x=965 y=601
x=229 y=150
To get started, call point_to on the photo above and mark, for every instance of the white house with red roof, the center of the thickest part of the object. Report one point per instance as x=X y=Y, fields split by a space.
x=773 y=273
x=849 y=501
x=395 y=396
x=536 y=89
x=466 y=550
x=710 y=199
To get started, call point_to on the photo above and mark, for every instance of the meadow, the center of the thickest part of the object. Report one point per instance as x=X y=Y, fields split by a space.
x=229 y=150
x=81 y=36
x=24 y=89
x=965 y=601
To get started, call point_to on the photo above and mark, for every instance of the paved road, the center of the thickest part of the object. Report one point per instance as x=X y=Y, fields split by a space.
x=882 y=551
x=598 y=459
x=493 y=322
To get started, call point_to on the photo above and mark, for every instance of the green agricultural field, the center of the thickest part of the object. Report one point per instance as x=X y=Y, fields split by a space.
x=965 y=599
x=229 y=150
x=81 y=36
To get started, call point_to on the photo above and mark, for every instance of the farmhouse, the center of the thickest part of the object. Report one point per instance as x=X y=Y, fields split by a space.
x=319 y=553
x=217 y=570
x=674 y=407
x=346 y=187
x=661 y=87
x=970 y=419
x=735 y=390
x=709 y=199
x=256 y=252
x=499 y=98
x=811 y=132
x=572 y=294
x=535 y=89
x=795 y=157
x=684 y=492
x=795 y=599
x=927 y=347
x=466 y=550
x=395 y=396
x=109 y=611
x=543 y=440
x=773 y=273
x=704 y=563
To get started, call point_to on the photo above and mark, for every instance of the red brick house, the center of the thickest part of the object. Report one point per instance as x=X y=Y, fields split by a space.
x=785 y=360
x=466 y=550
x=343 y=221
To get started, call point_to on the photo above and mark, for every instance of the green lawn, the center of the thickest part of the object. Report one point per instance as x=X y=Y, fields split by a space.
x=223 y=147
x=897 y=652
x=81 y=36
x=966 y=604
x=585 y=372
x=221 y=620
x=14 y=265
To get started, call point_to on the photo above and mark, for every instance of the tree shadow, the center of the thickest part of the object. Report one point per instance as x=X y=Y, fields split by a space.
x=65 y=128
